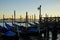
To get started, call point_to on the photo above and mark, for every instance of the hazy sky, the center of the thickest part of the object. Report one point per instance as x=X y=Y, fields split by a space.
x=51 y=7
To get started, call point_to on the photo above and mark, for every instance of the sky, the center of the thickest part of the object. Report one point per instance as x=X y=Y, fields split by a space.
x=50 y=7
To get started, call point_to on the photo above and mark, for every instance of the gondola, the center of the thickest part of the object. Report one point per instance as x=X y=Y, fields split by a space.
x=33 y=30
x=9 y=34
x=20 y=29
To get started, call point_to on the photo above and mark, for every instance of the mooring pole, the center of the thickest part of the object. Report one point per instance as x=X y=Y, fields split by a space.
x=14 y=16
x=46 y=32
x=20 y=20
x=12 y=20
x=15 y=20
x=3 y=20
x=16 y=27
x=30 y=18
x=26 y=19
x=54 y=30
x=34 y=18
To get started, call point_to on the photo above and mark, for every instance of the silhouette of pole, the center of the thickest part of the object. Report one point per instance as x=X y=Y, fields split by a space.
x=3 y=20
x=20 y=20
x=12 y=20
x=54 y=30
x=26 y=19
x=46 y=33
x=39 y=17
x=30 y=18
x=39 y=13
x=15 y=28
x=14 y=15
x=18 y=33
x=58 y=18
x=34 y=18
x=40 y=32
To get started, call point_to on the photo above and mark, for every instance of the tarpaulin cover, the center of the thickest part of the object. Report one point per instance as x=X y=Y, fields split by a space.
x=8 y=26
x=10 y=33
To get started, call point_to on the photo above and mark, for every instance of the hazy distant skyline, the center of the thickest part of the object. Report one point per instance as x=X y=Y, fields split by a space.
x=7 y=7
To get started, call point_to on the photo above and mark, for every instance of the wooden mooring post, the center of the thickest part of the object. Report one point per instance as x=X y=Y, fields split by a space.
x=46 y=28
x=3 y=20
x=54 y=30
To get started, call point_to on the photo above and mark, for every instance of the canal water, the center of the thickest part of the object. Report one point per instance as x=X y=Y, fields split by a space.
x=32 y=37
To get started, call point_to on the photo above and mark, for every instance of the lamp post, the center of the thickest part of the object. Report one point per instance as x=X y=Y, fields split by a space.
x=39 y=8
x=39 y=26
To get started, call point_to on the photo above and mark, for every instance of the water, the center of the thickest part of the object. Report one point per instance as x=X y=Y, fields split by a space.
x=31 y=37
